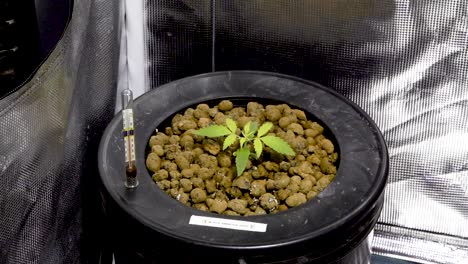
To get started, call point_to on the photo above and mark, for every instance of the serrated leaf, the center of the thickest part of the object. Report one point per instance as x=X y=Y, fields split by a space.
x=253 y=128
x=228 y=141
x=264 y=129
x=278 y=145
x=247 y=128
x=242 y=142
x=242 y=157
x=258 y=146
x=213 y=131
x=231 y=125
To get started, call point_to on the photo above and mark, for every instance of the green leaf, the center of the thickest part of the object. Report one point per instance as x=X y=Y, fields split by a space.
x=231 y=125
x=242 y=142
x=213 y=131
x=258 y=146
x=229 y=140
x=247 y=128
x=242 y=156
x=253 y=128
x=278 y=145
x=264 y=129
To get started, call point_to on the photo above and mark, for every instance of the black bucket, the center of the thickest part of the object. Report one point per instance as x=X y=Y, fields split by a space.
x=148 y=226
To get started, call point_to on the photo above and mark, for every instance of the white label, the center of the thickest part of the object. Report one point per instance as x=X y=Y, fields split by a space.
x=127 y=115
x=227 y=223
x=129 y=148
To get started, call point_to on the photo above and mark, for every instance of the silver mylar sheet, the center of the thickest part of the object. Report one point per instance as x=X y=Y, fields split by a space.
x=404 y=62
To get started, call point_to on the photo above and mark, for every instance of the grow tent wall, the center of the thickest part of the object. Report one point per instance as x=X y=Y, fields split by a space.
x=404 y=62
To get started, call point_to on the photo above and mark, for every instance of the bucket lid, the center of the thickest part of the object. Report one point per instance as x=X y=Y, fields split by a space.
x=354 y=192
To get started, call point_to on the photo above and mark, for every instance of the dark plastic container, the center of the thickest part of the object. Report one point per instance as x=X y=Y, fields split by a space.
x=148 y=226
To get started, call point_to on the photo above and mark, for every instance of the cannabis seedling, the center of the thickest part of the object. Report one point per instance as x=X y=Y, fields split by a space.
x=245 y=140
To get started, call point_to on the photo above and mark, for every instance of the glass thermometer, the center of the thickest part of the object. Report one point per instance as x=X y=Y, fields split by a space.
x=129 y=139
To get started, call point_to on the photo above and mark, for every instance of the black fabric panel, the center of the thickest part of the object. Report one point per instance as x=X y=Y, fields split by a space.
x=52 y=17
x=19 y=43
x=178 y=39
